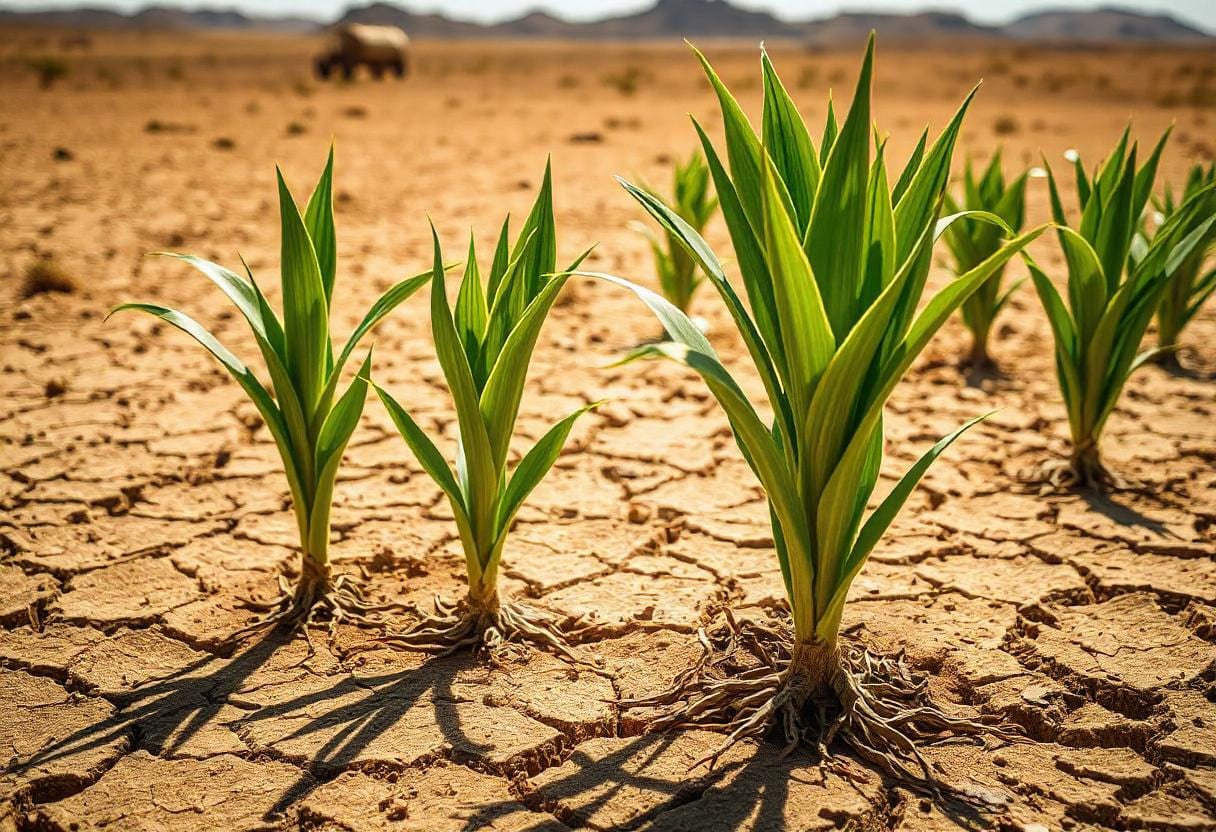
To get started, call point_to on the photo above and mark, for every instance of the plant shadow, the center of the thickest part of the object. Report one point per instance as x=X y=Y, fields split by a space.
x=323 y=727
x=762 y=790
x=326 y=728
x=170 y=712
x=1122 y=512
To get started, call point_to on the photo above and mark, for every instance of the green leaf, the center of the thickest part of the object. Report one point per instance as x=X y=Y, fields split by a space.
x=533 y=467
x=479 y=482
x=1065 y=335
x=789 y=145
x=498 y=268
x=918 y=204
x=305 y=311
x=742 y=147
x=768 y=463
x=1087 y=286
x=386 y=303
x=332 y=440
x=319 y=220
x=835 y=245
x=878 y=523
x=471 y=309
x=540 y=257
x=807 y=336
x=909 y=171
x=499 y=403
x=239 y=290
x=749 y=251
x=437 y=469
x=253 y=388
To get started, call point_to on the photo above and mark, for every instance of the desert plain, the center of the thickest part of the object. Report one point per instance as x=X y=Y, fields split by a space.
x=141 y=499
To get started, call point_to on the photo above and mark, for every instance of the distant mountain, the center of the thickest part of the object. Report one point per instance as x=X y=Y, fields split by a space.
x=932 y=27
x=83 y=17
x=665 y=19
x=1102 y=25
x=156 y=17
x=417 y=25
x=691 y=18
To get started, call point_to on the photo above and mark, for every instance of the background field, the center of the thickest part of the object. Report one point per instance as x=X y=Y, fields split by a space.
x=141 y=499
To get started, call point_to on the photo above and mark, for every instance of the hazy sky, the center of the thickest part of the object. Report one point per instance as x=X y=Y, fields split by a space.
x=1200 y=12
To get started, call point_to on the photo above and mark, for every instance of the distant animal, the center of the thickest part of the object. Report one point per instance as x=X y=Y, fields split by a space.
x=379 y=48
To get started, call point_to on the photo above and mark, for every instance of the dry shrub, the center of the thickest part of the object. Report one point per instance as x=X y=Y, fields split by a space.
x=43 y=276
x=626 y=82
x=49 y=70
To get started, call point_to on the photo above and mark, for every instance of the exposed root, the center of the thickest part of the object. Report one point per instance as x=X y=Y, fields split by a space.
x=753 y=680
x=1083 y=470
x=484 y=626
x=317 y=597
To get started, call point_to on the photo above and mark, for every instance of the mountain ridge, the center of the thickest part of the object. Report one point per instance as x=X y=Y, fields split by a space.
x=665 y=19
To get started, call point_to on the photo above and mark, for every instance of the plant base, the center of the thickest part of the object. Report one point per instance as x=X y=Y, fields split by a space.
x=979 y=361
x=484 y=626
x=317 y=597
x=753 y=680
x=1084 y=469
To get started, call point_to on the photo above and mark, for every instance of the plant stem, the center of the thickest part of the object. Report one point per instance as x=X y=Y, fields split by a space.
x=813 y=667
x=483 y=597
x=1086 y=462
x=979 y=357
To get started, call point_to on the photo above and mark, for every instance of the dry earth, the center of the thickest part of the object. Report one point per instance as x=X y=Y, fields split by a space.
x=141 y=500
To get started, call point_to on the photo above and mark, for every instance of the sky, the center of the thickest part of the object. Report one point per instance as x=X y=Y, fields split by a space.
x=1196 y=12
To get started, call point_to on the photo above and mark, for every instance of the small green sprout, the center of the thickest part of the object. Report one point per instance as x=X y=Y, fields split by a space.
x=971 y=242
x=678 y=273
x=1194 y=280
x=1113 y=292
x=309 y=422
x=484 y=348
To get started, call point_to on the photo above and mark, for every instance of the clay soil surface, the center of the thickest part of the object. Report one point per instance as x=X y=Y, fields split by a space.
x=140 y=499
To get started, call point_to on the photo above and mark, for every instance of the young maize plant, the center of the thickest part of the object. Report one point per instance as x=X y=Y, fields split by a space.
x=834 y=263
x=678 y=274
x=484 y=348
x=1194 y=281
x=309 y=422
x=1113 y=293
x=972 y=242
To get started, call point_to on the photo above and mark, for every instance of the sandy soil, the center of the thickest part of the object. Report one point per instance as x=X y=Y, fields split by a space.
x=141 y=502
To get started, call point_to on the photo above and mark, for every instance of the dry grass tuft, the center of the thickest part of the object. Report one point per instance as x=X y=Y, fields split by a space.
x=43 y=276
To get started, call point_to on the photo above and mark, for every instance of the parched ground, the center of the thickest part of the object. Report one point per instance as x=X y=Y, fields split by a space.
x=141 y=500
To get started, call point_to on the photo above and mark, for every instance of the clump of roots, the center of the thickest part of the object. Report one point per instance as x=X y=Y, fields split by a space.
x=318 y=597
x=753 y=680
x=1083 y=469
x=485 y=625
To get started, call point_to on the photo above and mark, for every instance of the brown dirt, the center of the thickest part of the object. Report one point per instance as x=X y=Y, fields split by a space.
x=141 y=501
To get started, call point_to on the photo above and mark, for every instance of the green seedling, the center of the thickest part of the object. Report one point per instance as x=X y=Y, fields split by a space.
x=484 y=347
x=971 y=242
x=834 y=262
x=309 y=422
x=678 y=273
x=1113 y=292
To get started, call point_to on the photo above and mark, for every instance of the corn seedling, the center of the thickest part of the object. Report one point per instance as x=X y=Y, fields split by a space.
x=678 y=273
x=971 y=242
x=1113 y=292
x=484 y=348
x=834 y=263
x=309 y=422
x=1194 y=280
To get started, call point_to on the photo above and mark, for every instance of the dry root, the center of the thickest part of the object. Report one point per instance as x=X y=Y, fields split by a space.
x=318 y=597
x=485 y=626
x=753 y=680
x=1082 y=470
